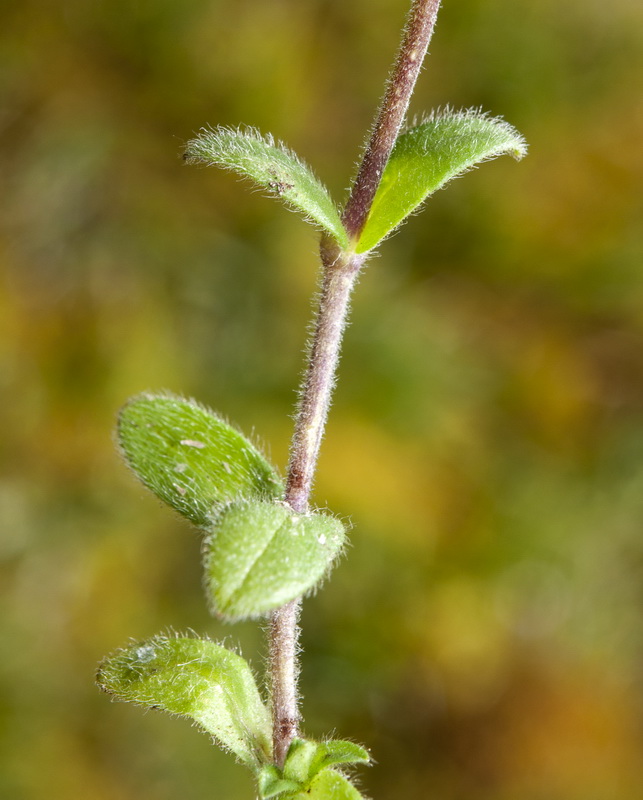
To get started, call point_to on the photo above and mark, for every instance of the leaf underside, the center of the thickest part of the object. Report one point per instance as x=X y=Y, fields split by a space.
x=261 y=555
x=191 y=458
x=272 y=166
x=199 y=679
x=427 y=156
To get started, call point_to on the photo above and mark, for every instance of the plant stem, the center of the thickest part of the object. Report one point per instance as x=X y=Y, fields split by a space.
x=415 y=41
x=283 y=634
x=339 y=274
x=340 y=271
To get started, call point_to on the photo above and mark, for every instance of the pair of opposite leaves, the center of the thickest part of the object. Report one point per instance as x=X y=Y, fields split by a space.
x=425 y=157
x=259 y=554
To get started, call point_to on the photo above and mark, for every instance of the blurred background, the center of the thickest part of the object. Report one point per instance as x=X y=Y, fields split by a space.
x=484 y=635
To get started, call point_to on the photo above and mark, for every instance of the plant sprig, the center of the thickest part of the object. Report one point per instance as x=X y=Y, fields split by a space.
x=264 y=548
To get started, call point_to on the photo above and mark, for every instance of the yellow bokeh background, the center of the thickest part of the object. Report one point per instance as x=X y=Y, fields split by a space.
x=484 y=633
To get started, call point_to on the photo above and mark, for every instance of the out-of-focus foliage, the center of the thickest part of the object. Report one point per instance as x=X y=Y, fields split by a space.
x=484 y=634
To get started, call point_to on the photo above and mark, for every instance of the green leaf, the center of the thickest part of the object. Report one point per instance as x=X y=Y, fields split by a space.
x=306 y=758
x=326 y=785
x=191 y=458
x=339 y=751
x=261 y=555
x=271 y=783
x=272 y=166
x=298 y=765
x=429 y=155
x=199 y=679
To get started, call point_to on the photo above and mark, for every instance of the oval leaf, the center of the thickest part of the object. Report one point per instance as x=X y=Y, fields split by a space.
x=261 y=555
x=199 y=679
x=429 y=155
x=272 y=166
x=191 y=458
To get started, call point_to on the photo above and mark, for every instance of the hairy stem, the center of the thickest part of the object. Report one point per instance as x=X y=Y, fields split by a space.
x=389 y=119
x=340 y=270
x=283 y=634
x=339 y=275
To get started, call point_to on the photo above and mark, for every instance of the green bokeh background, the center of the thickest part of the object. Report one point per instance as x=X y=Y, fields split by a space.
x=484 y=636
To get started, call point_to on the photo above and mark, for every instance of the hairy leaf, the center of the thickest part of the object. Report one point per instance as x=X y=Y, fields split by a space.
x=339 y=751
x=191 y=458
x=298 y=765
x=429 y=155
x=261 y=555
x=306 y=758
x=272 y=166
x=199 y=679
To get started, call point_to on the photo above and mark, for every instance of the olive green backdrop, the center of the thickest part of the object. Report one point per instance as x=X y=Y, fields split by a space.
x=484 y=634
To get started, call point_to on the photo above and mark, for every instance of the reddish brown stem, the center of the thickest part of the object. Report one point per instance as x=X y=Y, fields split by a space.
x=415 y=41
x=340 y=273
x=338 y=280
x=340 y=270
x=283 y=633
